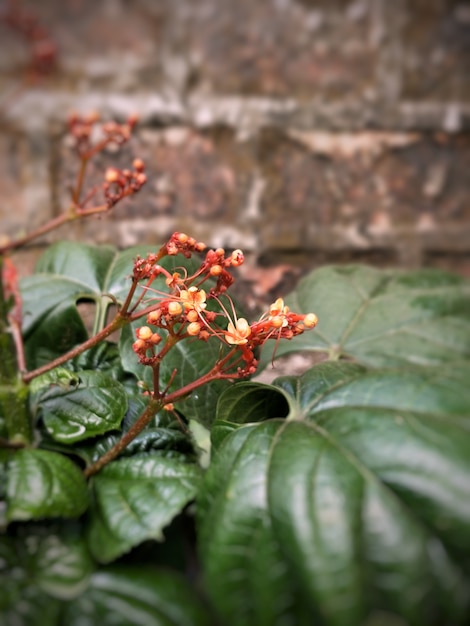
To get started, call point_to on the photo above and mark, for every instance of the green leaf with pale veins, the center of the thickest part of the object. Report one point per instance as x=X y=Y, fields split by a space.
x=52 y=558
x=383 y=317
x=77 y=406
x=135 y=498
x=137 y=596
x=43 y=484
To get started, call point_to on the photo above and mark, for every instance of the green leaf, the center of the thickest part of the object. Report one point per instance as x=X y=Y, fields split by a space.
x=59 y=330
x=67 y=273
x=79 y=406
x=248 y=402
x=135 y=498
x=363 y=492
x=165 y=440
x=103 y=357
x=53 y=558
x=44 y=484
x=245 y=571
x=26 y=606
x=380 y=317
x=120 y=597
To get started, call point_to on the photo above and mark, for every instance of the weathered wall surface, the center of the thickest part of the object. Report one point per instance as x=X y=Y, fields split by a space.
x=304 y=131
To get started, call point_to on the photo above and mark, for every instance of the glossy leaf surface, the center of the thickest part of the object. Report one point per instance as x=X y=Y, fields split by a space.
x=50 y=558
x=363 y=491
x=124 y=596
x=78 y=406
x=135 y=498
x=382 y=317
x=44 y=484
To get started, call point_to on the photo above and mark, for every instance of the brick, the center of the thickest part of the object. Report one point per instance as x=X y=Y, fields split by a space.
x=436 y=51
x=282 y=48
x=99 y=44
x=24 y=181
x=363 y=190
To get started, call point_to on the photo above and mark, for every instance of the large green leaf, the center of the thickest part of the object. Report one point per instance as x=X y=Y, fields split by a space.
x=363 y=490
x=125 y=596
x=41 y=566
x=135 y=498
x=50 y=558
x=78 y=406
x=246 y=574
x=380 y=317
x=44 y=484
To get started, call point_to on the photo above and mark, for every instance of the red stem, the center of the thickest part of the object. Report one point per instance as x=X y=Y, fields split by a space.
x=152 y=408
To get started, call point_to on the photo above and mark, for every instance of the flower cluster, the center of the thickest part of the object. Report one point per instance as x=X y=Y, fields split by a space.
x=183 y=310
x=90 y=137
x=121 y=183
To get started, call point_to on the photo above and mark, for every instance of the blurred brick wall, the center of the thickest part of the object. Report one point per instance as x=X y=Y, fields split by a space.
x=303 y=131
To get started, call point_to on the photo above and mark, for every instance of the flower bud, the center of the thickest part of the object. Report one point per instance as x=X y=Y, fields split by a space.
x=144 y=333
x=192 y=315
x=139 y=346
x=111 y=175
x=155 y=339
x=138 y=165
x=154 y=316
x=216 y=270
x=237 y=258
x=175 y=308
x=310 y=320
x=194 y=329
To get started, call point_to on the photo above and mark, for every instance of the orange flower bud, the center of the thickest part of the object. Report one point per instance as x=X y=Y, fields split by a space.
x=216 y=270
x=111 y=175
x=310 y=320
x=194 y=329
x=139 y=346
x=175 y=308
x=237 y=258
x=144 y=333
x=154 y=316
x=192 y=315
x=138 y=165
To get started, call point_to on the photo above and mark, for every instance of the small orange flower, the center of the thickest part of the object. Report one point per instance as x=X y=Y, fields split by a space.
x=237 y=334
x=193 y=299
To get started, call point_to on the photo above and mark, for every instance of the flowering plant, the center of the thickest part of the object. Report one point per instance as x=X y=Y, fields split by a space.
x=147 y=478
